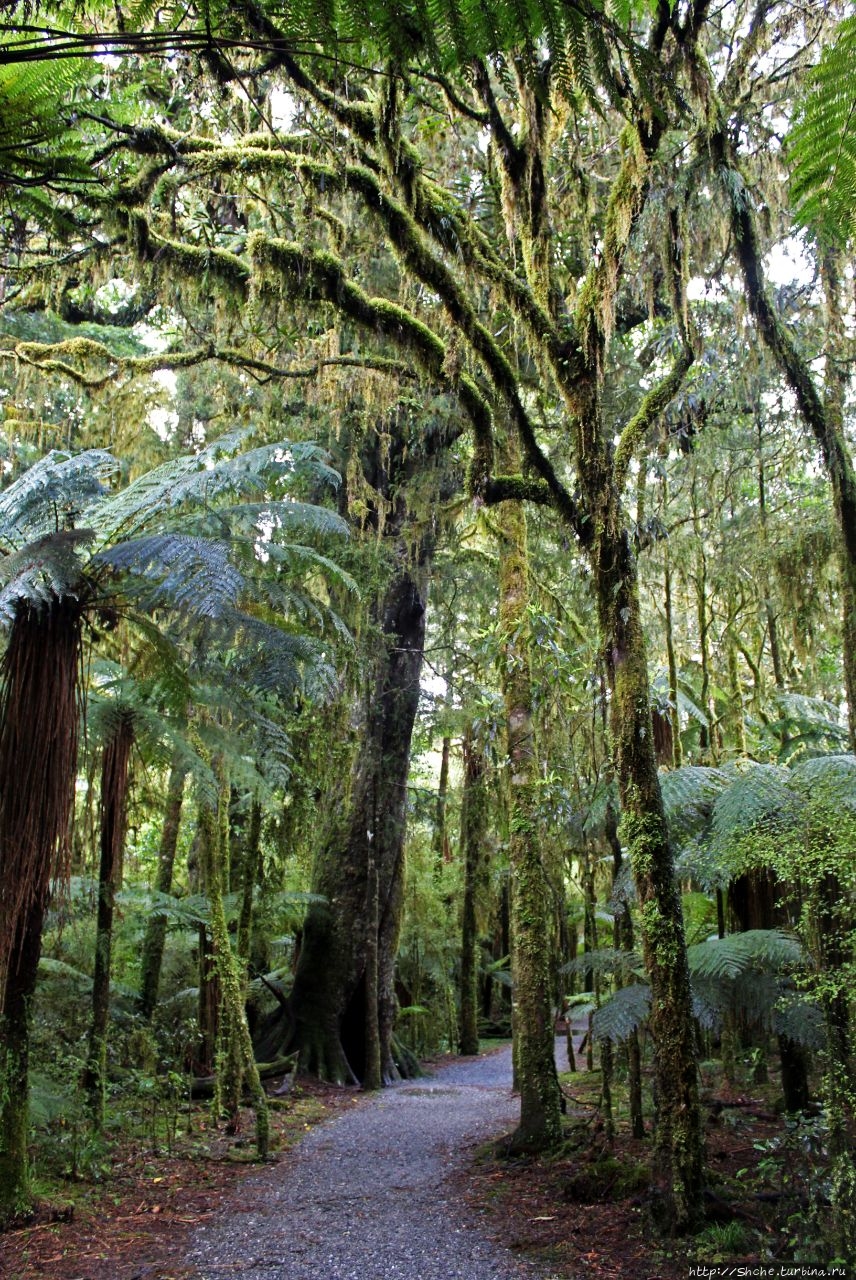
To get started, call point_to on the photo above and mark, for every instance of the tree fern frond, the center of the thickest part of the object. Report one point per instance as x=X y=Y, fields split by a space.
x=50 y=968
x=810 y=721
x=688 y=795
x=274 y=661
x=606 y=960
x=822 y=142
x=620 y=1015
x=270 y=521
x=761 y=949
x=36 y=142
x=209 y=478
x=191 y=575
x=799 y=1020
x=763 y=792
x=52 y=494
x=47 y=570
x=830 y=778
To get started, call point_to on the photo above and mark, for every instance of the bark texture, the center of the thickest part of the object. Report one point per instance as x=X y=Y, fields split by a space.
x=155 y=936
x=115 y=774
x=366 y=846
x=235 y=1062
x=473 y=830
x=540 y=1126
x=39 y=716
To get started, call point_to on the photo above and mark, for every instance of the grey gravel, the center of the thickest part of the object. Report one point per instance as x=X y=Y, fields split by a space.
x=366 y=1196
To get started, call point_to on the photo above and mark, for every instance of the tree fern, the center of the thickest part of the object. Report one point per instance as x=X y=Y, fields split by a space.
x=822 y=141
x=688 y=795
x=808 y=723
x=46 y=570
x=52 y=494
x=193 y=575
x=620 y=1015
x=759 y=793
x=606 y=960
x=830 y=778
x=718 y=959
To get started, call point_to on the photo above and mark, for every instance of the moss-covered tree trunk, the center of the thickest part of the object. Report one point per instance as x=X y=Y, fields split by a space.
x=679 y=1146
x=328 y=1001
x=155 y=935
x=115 y=776
x=540 y=1126
x=39 y=717
x=236 y=1068
x=473 y=830
x=250 y=875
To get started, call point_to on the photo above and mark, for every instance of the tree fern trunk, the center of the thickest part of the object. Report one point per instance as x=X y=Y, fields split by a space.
x=114 y=804
x=39 y=716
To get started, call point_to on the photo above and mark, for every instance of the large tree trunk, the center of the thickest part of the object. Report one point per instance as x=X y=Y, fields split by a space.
x=155 y=937
x=540 y=1126
x=38 y=758
x=328 y=1000
x=679 y=1146
x=114 y=805
x=473 y=827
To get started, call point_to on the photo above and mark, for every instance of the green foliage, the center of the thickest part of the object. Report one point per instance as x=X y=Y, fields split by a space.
x=606 y=960
x=620 y=1015
x=822 y=141
x=37 y=147
x=758 y=793
x=688 y=795
x=52 y=493
x=718 y=959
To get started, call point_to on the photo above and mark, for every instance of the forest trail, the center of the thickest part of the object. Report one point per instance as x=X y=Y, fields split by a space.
x=368 y=1195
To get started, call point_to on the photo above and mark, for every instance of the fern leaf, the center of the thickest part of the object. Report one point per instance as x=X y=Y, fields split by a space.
x=47 y=570
x=688 y=795
x=606 y=960
x=192 y=575
x=829 y=778
x=822 y=142
x=721 y=959
x=761 y=793
x=620 y=1015
x=52 y=494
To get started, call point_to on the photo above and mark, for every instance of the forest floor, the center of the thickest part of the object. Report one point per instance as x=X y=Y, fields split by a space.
x=177 y=1216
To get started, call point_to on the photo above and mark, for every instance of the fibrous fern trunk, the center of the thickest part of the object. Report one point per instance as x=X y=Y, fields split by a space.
x=114 y=804
x=39 y=716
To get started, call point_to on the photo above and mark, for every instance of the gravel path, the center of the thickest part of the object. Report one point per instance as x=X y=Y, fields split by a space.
x=365 y=1196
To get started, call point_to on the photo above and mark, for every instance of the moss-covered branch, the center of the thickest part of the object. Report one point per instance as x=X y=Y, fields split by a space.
x=653 y=404
x=316 y=276
x=54 y=358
